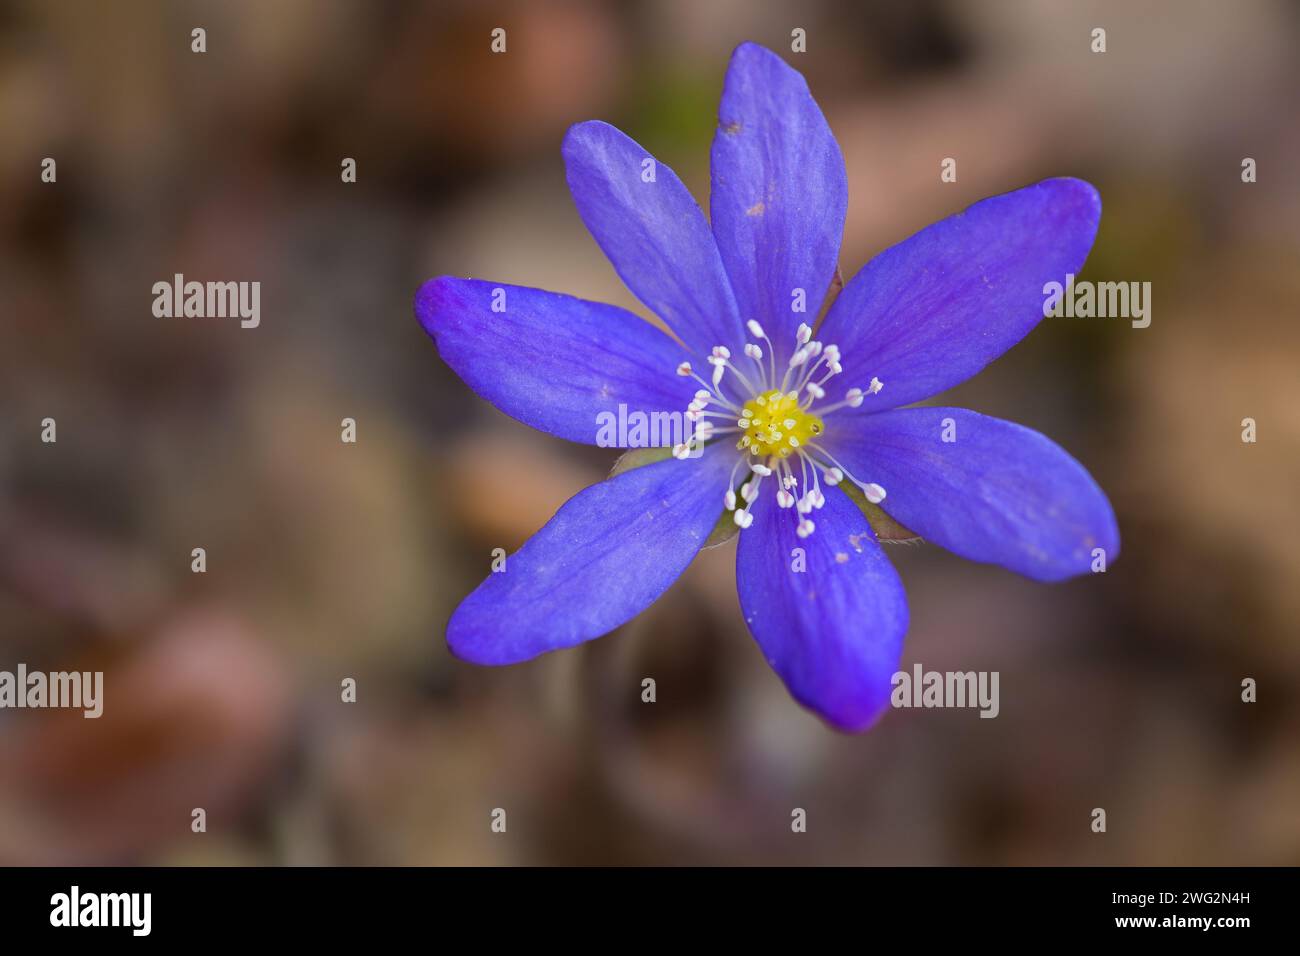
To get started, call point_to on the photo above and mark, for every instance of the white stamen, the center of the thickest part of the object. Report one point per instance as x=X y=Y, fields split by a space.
x=772 y=442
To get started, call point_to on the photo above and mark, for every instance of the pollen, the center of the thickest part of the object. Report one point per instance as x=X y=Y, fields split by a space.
x=774 y=423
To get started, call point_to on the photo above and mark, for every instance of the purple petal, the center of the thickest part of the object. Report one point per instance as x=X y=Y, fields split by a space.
x=654 y=234
x=833 y=632
x=779 y=193
x=552 y=361
x=607 y=554
x=930 y=312
x=998 y=492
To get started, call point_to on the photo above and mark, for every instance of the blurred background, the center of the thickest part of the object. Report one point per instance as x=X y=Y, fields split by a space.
x=329 y=560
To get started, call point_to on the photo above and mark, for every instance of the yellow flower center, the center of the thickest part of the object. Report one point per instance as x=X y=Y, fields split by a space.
x=774 y=424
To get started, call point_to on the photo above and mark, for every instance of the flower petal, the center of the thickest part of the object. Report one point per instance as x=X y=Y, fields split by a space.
x=552 y=361
x=779 y=193
x=833 y=632
x=607 y=554
x=996 y=492
x=930 y=312
x=654 y=234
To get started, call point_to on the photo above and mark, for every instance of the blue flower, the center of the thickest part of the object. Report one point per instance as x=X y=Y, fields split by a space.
x=775 y=445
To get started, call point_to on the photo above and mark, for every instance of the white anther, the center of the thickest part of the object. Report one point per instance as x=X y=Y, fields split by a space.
x=854 y=397
x=833 y=476
x=785 y=499
x=684 y=369
x=755 y=329
x=875 y=494
x=806 y=527
x=704 y=430
x=758 y=469
x=729 y=499
x=814 y=349
x=753 y=351
x=681 y=451
x=721 y=352
x=832 y=353
x=875 y=386
x=816 y=391
x=742 y=517
x=789 y=481
x=803 y=333
x=704 y=395
x=816 y=498
x=800 y=357
x=803 y=504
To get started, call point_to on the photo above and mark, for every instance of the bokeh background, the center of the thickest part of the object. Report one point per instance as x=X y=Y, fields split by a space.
x=328 y=561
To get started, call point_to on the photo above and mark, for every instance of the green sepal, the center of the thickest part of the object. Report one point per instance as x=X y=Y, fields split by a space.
x=888 y=531
x=723 y=531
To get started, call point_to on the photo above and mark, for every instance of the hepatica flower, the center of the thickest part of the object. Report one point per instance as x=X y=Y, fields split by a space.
x=796 y=435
